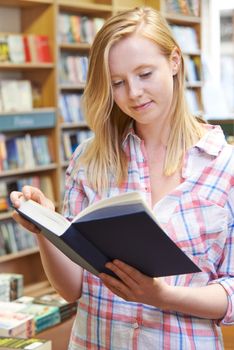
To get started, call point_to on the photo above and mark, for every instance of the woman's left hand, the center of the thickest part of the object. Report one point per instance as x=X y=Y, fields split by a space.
x=135 y=286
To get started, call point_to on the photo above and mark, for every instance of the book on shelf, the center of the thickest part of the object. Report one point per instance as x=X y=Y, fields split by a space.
x=3 y=152
x=4 y=205
x=39 y=48
x=4 y=49
x=185 y=7
x=43 y=48
x=16 y=184
x=14 y=238
x=78 y=29
x=186 y=37
x=192 y=71
x=16 y=95
x=71 y=139
x=70 y=107
x=64 y=28
x=44 y=316
x=15 y=323
x=75 y=28
x=11 y=286
x=122 y=227
x=16 y=48
x=11 y=343
x=27 y=53
x=27 y=151
x=192 y=100
x=66 y=309
x=73 y=69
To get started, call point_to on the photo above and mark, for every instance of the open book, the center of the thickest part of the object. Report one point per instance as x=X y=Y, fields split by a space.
x=121 y=227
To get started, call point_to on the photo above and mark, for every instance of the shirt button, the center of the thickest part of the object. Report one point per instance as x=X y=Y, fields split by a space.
x=135 y=325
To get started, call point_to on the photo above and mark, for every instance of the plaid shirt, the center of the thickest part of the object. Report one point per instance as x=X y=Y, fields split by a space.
x=198 y=216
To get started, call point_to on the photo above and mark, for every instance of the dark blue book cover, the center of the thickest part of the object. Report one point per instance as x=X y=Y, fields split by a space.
x=124 y=230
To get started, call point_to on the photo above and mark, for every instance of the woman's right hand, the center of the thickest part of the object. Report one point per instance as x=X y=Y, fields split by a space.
x=33 y=193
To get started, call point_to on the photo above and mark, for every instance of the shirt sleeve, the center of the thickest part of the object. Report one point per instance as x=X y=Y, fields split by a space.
x=226 y=268
x=75 y=198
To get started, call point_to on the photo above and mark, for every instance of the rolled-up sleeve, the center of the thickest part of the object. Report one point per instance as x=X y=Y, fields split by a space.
x=226 y=268
x=75 y=198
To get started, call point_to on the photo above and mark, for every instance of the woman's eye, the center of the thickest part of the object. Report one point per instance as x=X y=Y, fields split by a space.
x=145 y=75
x=117 y=83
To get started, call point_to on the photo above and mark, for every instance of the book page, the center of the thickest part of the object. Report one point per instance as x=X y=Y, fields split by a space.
x=122 y=199
x=45 y=217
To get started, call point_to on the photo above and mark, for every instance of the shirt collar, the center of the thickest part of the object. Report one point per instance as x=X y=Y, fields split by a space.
x=130 y=132
x=213 y=141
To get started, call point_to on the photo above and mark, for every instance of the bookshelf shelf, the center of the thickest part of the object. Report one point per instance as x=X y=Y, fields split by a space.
x=38 y=169
x=24 y=3
x=26 y=66
x=73 y=125
x=88 y=7
x=74 y=46
x=18 y=255
x=71 y=86
x=182 y=19
x=192 y=53
x=37 y=289
x=194 y=84
x=42 y=110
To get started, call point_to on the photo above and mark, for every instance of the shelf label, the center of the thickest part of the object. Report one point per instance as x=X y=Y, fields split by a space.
x=27 y=121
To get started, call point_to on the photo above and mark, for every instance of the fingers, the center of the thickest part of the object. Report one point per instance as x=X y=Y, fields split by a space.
x=129 y=283
x=124 y=271
x=38 y=196
x=16 y=196
x=26 y=224
x=117 y=287
x=33 y=193
x=29 y=192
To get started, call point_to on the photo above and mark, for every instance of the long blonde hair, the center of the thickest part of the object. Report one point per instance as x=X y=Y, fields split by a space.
x=104 y=157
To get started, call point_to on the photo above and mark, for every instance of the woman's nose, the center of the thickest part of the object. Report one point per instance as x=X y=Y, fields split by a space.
x=134 y=90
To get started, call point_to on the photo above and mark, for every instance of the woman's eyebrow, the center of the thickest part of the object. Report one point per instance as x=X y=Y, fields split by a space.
x=141 y=66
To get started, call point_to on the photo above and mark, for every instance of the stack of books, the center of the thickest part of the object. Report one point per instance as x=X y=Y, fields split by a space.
x=66 y=309
x=11 y=286
x=11 y=343
x=43 y=316
x=13 y=323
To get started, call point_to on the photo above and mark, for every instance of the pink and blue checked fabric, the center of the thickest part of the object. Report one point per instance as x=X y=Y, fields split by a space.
x=198 y=216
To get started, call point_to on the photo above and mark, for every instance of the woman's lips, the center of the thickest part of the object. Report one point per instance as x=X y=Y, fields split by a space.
x=142 y=106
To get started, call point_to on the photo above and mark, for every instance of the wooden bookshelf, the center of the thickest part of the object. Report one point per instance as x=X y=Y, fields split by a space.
x=36 y=17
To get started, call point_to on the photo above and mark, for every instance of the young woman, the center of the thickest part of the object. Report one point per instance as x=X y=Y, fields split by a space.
x=147 y=140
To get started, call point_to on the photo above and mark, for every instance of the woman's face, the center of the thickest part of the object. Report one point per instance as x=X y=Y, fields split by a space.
x=142 y=79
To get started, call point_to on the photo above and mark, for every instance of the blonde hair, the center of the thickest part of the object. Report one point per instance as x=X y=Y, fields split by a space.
x=104 y=156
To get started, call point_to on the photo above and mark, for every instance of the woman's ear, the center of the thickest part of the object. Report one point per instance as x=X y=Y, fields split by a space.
x=175 y=61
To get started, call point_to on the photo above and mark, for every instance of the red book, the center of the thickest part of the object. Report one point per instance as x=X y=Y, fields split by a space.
x=43 y=48
x=26 y=49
